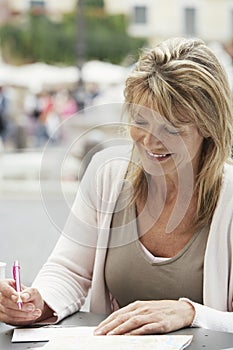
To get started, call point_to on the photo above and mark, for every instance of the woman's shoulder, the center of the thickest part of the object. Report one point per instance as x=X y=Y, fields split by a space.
x=108 y=167
x=114 y=154
x=110 y=163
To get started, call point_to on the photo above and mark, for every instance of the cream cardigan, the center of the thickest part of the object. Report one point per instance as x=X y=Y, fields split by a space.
x=77 y=261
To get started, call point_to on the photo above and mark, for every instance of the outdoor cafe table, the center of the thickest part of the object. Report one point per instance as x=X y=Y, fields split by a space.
x=203 y=339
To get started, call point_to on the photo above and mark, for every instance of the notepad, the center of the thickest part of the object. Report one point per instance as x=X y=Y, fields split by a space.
x=81 y=338
x=47 y=333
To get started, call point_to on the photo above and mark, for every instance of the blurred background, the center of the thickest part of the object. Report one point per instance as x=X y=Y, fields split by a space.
x=62 y=70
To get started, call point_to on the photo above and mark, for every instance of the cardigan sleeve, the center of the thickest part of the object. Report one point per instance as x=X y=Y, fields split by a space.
x=209 y=318
x=66 y=277
x=217 y=313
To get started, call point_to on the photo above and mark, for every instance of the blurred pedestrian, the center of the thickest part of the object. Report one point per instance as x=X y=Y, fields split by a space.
x=3 y=116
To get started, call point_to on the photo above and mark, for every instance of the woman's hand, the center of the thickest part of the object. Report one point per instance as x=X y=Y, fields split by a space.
x=33 y=305
x=148 y=317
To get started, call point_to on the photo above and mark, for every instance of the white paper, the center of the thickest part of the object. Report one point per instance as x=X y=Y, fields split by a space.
x=119 y=342
x=49 y=332
x=82 y=338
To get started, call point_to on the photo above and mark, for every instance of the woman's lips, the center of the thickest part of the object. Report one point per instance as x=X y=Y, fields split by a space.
x=158 y=156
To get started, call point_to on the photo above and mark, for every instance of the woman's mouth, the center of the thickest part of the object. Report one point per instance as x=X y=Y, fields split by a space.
x=158 y=156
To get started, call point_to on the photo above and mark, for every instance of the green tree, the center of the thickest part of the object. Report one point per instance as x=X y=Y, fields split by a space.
x=40 y=39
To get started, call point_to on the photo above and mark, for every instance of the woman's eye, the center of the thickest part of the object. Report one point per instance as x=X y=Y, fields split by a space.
x=171 y=130
x=139 y=121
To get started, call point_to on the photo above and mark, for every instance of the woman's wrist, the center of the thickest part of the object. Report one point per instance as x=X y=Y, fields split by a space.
x=189 y=311
x=47 y=315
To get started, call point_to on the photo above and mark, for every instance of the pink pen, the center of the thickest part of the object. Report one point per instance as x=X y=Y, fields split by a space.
x=16 y=276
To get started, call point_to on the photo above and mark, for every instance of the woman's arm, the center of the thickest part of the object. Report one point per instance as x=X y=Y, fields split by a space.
x=148 y=317
x=65 y=279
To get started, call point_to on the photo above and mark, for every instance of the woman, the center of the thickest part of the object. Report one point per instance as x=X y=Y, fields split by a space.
x=151 y=227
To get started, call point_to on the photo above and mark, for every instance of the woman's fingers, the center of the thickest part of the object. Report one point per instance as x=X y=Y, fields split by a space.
x=123 y=313
x=32 y=304
x=133 y=323
x=147 y=317
x=18 y=317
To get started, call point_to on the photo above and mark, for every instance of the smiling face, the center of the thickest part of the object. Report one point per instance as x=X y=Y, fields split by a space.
x=162 y=147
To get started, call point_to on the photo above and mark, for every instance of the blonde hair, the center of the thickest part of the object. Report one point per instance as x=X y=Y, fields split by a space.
x=184 y=75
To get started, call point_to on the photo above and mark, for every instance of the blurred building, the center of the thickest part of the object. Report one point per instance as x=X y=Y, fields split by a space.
x=116 y=7
x=208 y=19
x=54 y=8
x=4 y=11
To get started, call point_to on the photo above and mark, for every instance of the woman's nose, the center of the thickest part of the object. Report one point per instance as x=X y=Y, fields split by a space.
x=151 y=139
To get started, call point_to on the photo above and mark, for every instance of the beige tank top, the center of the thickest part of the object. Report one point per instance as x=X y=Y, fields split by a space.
x=131 y=274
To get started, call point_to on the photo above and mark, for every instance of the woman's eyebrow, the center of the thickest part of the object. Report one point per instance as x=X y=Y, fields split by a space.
x=137 y=114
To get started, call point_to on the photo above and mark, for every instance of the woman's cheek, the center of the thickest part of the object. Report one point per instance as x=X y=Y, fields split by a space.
x=135 y=133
